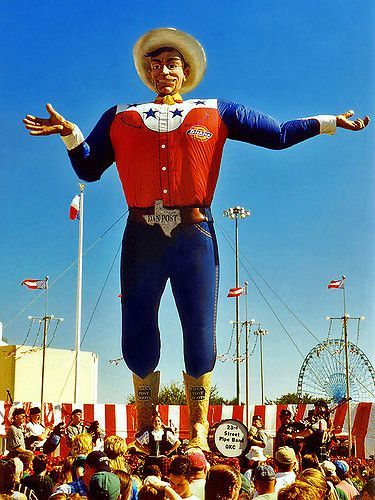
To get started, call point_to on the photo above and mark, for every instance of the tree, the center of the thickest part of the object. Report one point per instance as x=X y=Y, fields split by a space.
x=174 y=394
x=292 y=398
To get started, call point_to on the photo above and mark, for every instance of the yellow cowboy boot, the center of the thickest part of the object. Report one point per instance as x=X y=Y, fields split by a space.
x=197 y=396
x=146 y=392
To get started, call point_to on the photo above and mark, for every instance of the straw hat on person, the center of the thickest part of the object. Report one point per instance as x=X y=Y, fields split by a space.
x=190 y=49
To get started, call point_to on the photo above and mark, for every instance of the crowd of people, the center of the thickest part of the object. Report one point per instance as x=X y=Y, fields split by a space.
x=159 y=466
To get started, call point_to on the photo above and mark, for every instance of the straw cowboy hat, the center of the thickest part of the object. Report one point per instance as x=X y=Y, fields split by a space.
x=190 y=49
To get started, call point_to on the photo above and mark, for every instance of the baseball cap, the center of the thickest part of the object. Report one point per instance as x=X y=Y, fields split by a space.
x=285 y=455
x=328 y=467
x=104 y=485
x=197 y=460
x=264 y=473
x=98 y=461
x=341 y=466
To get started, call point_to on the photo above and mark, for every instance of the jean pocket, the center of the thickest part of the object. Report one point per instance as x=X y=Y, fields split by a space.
x=203 y=228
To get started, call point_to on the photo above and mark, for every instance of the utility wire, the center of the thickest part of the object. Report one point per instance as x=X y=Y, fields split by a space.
x=65 y=271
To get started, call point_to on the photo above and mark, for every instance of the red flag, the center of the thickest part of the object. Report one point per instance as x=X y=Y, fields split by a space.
x=235 y=292
x=35 y=284
x=74 y=208
x=337 y=283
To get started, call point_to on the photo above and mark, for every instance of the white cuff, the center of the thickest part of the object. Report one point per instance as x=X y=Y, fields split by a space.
x=74 y=139
x=327 y=123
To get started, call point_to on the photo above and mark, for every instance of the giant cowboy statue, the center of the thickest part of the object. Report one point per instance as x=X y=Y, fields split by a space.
x=168 y=154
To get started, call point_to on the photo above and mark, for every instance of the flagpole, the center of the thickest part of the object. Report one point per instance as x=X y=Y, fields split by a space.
x=79 y=297
x=45 y=331
x=46 y=302
x=247 y=359
x=345 y=328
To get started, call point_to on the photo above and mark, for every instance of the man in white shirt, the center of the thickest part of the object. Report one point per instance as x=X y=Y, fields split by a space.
x=286 y=461
x=36 y=433
x=199 y=468
x=264 y=479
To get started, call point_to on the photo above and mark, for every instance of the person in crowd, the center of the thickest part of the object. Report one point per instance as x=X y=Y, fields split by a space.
x=152 y=470
x=254 y=458
x=299 y=490
x=18 y=486
x=66 y=473
x=36 y=433
x=345 y=484
x=223 y=482
x=310 y=461
x=368 y=491
x=264 y=480
x=81 y=446
x=15 y=435
x=317 y=480
x=115 y=448
x=158 y=440
x=97 y=435
x=285 y=462
x=8 y=480
x=247 y=491
x=26 y=458
x=75 y=426
x=198 y=470
x=180 y=477
x=40 y=482
x=283 y=433
x=96 y=461
x=316 y=436
x=104 y=485
x=329 y=470
x=126 y=484
x=257 y=434
x=156 y=489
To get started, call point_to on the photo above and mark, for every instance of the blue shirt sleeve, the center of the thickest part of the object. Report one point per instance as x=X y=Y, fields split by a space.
x=248 y=125
x=93 y=156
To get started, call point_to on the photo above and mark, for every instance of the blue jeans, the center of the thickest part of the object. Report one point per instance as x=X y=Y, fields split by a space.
x=189 y=258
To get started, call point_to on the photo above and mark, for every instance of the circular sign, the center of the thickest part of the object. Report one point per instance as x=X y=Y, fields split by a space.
x=229 y=438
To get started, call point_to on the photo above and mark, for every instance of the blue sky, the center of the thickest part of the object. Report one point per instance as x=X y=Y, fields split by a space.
x=312 y=205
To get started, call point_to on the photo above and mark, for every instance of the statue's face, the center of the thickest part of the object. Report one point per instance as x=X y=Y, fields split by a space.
x=168 y=72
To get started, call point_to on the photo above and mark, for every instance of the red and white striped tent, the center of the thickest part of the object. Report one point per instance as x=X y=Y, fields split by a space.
x=120 y=419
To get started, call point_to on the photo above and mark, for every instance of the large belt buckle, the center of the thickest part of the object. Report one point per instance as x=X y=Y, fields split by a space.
x=167 y=218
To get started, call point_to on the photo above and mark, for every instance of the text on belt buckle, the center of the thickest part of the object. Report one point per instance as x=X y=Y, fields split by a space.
x=167 y=218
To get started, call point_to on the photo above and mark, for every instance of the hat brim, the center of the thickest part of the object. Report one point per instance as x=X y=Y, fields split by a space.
x=190 y=49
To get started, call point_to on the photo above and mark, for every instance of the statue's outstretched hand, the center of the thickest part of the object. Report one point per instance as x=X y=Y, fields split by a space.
x=55 y=124
x=358 y=124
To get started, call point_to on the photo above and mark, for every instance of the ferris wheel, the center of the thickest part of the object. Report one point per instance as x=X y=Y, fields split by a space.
x=323 y=373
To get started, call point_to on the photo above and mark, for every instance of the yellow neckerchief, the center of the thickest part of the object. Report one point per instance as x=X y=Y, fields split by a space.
x=168 y=99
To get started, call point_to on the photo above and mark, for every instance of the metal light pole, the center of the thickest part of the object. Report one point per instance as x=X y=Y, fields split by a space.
x=345 y=318
x=237 y=213
x=45 y=320
x=248 y=325
x=261 y=332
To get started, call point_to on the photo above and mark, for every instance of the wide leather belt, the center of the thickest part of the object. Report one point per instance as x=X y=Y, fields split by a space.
x=169 y=218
